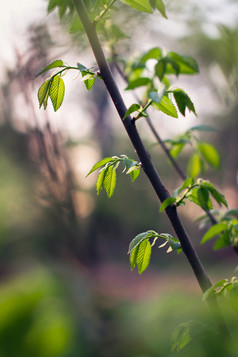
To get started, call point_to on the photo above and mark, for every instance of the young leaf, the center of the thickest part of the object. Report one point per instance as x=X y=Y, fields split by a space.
x=134 y=172
x=139 y=82
x=81 y=67
x=167 y=202
x=54 y=64
x=202 y=128
x=140 y=5
x=180 y=336
x=187 y=65
x=139 y=238
x=203 y=197
x=189 y=181
x=43 y=93
x=109 y=181
x=99 y=164
x=213 y=231
x=192 y=196
x=159 y=5
x=183 y=101
x=219 y=197
x=99 y=182
x=56 y=92
x=210 y=154
x=194 y=166
x=133 y=257
x=143 y=255
x=166 y=106
x=133 y=108
x=154 y=53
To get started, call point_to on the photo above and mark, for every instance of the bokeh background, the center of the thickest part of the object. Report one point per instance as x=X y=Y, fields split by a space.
x=66 y=289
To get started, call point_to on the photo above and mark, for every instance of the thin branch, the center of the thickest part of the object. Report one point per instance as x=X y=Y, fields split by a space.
x=145 y=159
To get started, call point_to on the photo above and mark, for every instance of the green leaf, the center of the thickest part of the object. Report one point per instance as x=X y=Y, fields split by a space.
x=54 y=64
x=154 y=53
x=132 y=168
x=109 y=181
x=187 y=64
x=56 y=92
x=174 y=244
x=219 y=197
x=203 y=197
x=100 y=179
x=134 y=173
x=143 y=255
x=139 y=238
x=183 y=101
x=192 y=196
x=234 y=297
x=176 y=149
x=202 y=128
x=166 y=106
x=210 y=154
x=140 y=5
x=194 y=165
x=133 y=257
x=81 y=67
x=159 y=5
x=167 y=202
x=99 y=164
x=160 y=68
x=189 y=181
x=139 y=82
x=43 y=93
x=133 y=108
x=180 y=336
x=213 y=231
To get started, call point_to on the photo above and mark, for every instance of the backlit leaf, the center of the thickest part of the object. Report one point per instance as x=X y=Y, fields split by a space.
x=99 y=164
x=139 y=238
x=159 y=5
x=109 y=181
x=169 y=201
x=139 y=82
x=143 y=255
x=210 y=154
x=133 y=108
x=43 y=93
x=54 y=64
x=154 y=53
x=187 y=64
x=99 y=182
x=140 y=5
x=213 y=231
x=166 y=106
x=56 y=92
x=194 y=166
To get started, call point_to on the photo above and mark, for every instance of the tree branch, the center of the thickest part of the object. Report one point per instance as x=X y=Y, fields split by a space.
x=145 y=159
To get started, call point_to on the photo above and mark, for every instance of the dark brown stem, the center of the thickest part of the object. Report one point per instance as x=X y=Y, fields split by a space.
x=139 y=147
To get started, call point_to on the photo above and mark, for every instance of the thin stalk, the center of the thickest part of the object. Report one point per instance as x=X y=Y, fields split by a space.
x=145 y=159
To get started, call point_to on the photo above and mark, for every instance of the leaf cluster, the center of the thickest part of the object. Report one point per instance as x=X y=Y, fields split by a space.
x=226 y=230
x=225 y=288
x=157 y=82
x=54 y=87
x=198 y=192
x=140 y=248
x=107 y=174
x=204 y=154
